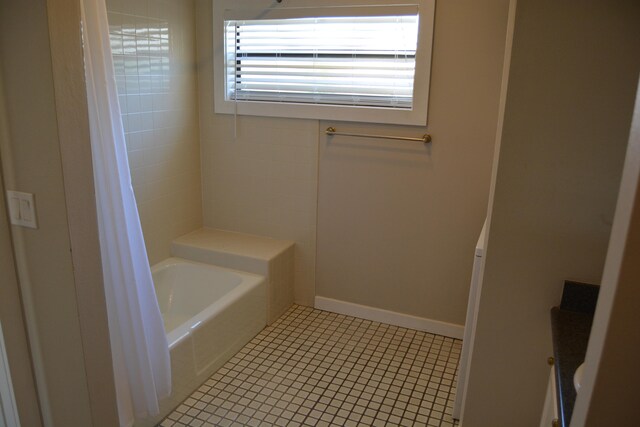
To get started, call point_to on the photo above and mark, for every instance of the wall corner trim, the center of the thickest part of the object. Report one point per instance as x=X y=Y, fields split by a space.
x=391 y=317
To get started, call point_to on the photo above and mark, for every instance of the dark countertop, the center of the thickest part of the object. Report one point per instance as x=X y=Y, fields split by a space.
x=570 y=330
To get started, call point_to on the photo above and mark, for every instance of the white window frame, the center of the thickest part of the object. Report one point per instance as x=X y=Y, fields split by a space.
x=264 y=9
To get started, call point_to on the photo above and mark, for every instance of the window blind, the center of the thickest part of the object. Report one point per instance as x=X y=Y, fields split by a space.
x=345 y=60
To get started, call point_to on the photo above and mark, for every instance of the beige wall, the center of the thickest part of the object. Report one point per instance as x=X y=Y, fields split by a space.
x=153 y=45
x=568 y=111
x=69 y=357
x=398 y=222
x=264 y=181
x=12 y=324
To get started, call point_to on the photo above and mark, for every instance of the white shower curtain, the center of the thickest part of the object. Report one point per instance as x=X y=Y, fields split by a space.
x=138 y=342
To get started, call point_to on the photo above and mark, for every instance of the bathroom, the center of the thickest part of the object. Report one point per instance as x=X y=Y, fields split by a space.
x=412 y=213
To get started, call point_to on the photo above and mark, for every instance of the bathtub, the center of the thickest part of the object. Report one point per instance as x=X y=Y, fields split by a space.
x=209 y=314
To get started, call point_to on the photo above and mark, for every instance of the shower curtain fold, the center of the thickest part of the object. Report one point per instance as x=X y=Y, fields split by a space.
x=140 y=352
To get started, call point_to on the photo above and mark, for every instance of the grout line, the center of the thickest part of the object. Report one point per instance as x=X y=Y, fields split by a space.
x=315 y=368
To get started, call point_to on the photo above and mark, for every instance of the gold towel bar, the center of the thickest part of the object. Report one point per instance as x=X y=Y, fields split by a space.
x=426 y=138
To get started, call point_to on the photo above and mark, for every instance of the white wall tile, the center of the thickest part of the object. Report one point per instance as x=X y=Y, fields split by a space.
x=154 y=54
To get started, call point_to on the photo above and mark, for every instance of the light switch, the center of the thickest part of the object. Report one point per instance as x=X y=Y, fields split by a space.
x=22 y=209
x=26 y=213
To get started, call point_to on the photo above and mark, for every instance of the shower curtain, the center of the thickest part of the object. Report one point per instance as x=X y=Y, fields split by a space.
x=139 y=347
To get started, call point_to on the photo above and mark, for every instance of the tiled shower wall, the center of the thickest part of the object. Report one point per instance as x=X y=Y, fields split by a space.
x=153 y=43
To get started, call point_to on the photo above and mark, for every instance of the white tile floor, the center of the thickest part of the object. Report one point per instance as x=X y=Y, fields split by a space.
x=316 y=368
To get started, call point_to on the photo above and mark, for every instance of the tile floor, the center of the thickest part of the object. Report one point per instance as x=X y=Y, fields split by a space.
x=316 y=368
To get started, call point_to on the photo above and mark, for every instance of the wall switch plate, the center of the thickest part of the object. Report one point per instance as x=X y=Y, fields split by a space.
x=22 y=209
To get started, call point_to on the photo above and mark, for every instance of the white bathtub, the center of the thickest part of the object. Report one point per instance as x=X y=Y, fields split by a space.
x=209 y=314
x=191 y=293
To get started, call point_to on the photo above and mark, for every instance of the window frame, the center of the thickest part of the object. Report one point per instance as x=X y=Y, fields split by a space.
x=263 y=9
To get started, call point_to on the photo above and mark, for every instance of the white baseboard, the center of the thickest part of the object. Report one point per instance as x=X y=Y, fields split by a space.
x=391 y=317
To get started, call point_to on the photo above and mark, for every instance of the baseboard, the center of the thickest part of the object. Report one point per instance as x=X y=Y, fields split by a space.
x=391 y=317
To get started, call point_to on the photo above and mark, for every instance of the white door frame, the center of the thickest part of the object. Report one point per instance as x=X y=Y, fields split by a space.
x=8 y=408
x=611 y=359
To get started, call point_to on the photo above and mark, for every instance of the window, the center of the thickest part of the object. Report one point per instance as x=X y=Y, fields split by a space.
x=361 y=63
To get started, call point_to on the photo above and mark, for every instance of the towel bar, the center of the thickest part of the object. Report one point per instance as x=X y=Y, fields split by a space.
x=426 y=138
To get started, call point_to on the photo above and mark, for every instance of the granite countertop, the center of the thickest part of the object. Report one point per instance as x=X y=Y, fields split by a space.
x=571 y=327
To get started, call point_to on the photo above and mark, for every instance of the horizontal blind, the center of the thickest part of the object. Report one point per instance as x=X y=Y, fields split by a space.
x=358 y=61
